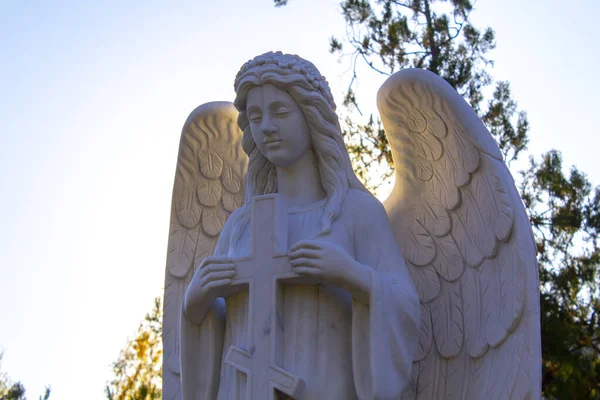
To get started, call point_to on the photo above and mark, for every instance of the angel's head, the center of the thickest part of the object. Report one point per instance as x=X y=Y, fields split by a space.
x=302 y=96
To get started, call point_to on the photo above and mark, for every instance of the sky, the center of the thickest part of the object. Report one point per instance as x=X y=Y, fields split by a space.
x=93 y=96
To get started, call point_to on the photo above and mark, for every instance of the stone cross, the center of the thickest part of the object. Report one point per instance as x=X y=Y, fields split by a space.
x=260 y=272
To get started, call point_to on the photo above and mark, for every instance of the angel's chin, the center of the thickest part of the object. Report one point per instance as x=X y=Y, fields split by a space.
x=281 y=158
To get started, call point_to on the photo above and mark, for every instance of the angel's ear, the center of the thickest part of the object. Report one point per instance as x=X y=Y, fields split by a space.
x=209 y=182
x=467 y=240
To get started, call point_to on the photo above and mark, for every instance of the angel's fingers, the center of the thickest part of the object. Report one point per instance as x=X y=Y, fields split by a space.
x=305 y=262
x=216 y=267
x=304 y=252
x=307 y=271
x=216 y=284
x=215 y=260
x=307 y=244
x=215 y=276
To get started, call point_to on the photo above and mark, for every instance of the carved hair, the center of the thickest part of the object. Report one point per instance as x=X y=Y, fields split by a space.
x=309 y=89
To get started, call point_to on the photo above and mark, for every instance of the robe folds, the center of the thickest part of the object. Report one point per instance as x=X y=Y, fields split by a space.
x=342 y=348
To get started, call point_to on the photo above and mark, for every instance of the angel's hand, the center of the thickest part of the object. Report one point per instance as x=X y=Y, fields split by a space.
x=331 y=264
x=213 y=274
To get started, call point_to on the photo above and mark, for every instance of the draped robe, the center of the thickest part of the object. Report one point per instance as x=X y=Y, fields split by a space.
x=342 y=348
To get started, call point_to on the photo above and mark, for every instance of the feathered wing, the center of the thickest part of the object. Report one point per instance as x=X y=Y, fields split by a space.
x=468 y=244
x=209 y=186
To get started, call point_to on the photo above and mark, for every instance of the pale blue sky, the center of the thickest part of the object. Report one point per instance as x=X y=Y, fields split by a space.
x=92 y=99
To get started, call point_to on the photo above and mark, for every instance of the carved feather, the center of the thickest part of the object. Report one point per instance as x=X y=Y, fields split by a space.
x=468 y=244
x=448 y=262
x=231 y=180
x=475 y=340
x=425 y=334
x=171 y=383
x=434 y=218
x=209 y=176
x=418 y=245
x=182 y=246
x=426 y=281
x=209 y=192
x=447 y=320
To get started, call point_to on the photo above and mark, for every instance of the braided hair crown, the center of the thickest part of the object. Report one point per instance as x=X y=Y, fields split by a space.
x=292 y=62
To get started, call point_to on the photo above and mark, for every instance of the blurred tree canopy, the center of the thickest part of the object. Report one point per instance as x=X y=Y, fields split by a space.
x=564 y=208
x=138 y=371
x=437 y=35
x=10 y=390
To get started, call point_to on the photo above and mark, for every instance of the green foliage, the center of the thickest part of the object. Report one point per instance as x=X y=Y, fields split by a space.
x=435 y=35
x=15 y=390
x=564 y=209
x=138 y=371
x=565 y=213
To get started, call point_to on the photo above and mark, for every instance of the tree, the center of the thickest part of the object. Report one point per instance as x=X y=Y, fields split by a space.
x=10 y=390
x=138 y=371
x=564 y=209
x=436 y=35
x=432 y=35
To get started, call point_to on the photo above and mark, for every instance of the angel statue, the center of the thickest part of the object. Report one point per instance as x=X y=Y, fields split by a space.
x=301 y=285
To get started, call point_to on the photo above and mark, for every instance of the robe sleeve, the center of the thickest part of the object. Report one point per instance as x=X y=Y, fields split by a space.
x=385 y=331
x=201 y=346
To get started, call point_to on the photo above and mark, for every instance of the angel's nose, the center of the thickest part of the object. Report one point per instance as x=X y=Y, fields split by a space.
x=268 y=127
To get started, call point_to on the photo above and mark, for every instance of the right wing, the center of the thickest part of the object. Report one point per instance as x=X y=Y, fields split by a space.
x=209 y=186
x=468 y=244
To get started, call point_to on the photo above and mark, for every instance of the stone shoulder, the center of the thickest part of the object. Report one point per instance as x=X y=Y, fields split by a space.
x=364 y=209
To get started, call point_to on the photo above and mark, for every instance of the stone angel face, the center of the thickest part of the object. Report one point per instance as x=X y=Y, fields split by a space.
x=277 y=124
x=427 y=296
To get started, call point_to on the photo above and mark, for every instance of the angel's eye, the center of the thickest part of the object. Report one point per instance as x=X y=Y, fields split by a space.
x=255 y=118
x=282 y=112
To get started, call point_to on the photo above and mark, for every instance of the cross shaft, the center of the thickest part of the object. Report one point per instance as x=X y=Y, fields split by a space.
x=260 y=272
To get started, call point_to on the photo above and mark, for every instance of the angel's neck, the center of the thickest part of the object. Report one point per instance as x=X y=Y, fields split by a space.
x=300 y=183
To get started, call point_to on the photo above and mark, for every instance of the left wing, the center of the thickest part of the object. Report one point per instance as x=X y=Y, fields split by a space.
x=468 y=244
x=209 y=186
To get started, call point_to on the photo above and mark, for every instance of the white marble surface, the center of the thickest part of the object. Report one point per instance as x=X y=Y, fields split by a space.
x=307 y=290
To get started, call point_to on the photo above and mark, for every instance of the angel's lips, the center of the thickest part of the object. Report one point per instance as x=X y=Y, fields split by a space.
x=272 y=143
